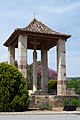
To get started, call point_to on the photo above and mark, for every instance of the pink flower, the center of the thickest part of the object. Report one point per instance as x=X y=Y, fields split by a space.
x=51 y=73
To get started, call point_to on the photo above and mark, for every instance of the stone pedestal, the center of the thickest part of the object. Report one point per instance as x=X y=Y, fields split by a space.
x=11 y=55
x=61 y=67
x=34 y=71
x=44 y=79
x=22 y=55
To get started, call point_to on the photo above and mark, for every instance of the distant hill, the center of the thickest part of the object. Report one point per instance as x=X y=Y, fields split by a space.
x=74 y=78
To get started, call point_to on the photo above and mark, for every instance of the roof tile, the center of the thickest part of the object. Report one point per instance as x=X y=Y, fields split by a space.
x=39 y=27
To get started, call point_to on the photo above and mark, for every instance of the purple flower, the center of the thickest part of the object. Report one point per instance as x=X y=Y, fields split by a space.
x=51 y=73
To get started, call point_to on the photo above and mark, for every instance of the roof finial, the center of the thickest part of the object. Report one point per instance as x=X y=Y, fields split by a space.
x=34 y=15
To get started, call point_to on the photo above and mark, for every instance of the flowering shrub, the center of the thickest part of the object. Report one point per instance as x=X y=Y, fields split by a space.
x=51 y=73
x=39 y=69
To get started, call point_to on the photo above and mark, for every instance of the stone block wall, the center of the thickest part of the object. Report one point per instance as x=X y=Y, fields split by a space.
x=56 y=101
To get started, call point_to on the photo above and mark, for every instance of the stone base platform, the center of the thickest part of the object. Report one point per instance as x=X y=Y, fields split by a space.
x=54 y=100
x=38 y=92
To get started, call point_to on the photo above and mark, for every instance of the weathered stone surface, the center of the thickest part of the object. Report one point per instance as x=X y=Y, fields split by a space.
x=34 y=71
x=22 y=55
x=56 y=101
x=61 y=67
x=44 y=63
x=11 y=55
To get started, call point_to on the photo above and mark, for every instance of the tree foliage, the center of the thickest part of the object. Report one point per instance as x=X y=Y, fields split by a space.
x=74 y=84
x=13 y=90
x=51 y=74
x=52 y=85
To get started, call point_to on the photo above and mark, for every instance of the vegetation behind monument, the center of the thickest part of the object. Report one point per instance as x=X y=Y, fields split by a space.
x=75 y=84
x=72 y=83
x=52 y=75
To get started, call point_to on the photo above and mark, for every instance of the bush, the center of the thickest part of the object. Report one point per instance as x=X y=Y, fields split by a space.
x=13 y=90
x=66 y=102
x=72 y=101
x=78 y=90
x=45 y=106
x=52 y=85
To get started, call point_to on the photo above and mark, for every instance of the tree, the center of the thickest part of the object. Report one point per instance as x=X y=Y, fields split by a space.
x=13 y=90
x=51 y=74
x=73 y=83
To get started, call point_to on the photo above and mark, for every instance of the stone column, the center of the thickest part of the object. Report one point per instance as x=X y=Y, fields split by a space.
x=22 y=55
x=34 y=71
x=44 y=79
x=11 y=55
x=61 y=67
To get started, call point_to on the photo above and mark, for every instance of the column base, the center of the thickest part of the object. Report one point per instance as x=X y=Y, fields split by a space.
x=39 y=92
x=61 y=87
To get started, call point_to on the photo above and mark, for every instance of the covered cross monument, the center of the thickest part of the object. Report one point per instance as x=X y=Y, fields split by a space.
x=37 y=36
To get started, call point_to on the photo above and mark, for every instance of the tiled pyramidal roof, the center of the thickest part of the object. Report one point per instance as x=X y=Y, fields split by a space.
x=38 y=27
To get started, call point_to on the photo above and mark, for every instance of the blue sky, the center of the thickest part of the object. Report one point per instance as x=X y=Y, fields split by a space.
x=60 y=15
